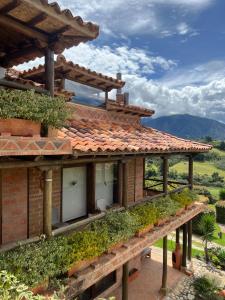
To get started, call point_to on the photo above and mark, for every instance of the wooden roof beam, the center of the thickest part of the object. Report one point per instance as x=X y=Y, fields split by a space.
x=38 y=19
x=60 y=17
x=25 y=30
x=7 y=8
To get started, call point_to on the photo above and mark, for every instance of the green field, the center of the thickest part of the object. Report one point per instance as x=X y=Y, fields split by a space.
x=200 y=168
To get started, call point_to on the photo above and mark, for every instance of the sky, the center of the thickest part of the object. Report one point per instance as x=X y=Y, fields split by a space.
x=171 y=52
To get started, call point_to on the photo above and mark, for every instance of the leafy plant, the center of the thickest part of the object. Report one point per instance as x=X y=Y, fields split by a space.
x=12 y=289
x=207 y=286
x=144 y=215
x=32 y=106
x=207 y=227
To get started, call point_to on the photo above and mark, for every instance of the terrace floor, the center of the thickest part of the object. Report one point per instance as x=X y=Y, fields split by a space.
x=147 y=285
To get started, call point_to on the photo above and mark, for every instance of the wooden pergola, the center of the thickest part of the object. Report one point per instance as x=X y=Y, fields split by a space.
x=68 y=70
x=29 y=27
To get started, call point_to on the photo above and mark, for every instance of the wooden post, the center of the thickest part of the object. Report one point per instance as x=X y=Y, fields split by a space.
x=125 y=281
x=48 y=203
x=120 y=183
x=125 y=184
x=49 y=71
x=178 y=236
x=190 y=240
x=190 y=171
x=144 y=161
x=164 y=275
x=91 y=186
x=165 y=174
x=184 y=254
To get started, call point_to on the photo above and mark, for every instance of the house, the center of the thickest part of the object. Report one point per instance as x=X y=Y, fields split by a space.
x=59 y=183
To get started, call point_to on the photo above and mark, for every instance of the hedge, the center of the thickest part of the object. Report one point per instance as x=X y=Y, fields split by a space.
x=220 y=212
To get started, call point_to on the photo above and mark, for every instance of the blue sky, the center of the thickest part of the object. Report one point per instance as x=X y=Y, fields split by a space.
x=171 y=52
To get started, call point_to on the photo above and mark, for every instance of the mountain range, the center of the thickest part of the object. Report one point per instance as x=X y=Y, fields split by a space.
x=187 y=126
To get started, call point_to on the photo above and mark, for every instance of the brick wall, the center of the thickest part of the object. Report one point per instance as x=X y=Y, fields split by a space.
x=14 y=205
x=135 y=179
x=131 y=180
x=36 y=184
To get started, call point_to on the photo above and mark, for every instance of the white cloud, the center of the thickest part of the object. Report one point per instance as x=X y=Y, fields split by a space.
x=129 y=17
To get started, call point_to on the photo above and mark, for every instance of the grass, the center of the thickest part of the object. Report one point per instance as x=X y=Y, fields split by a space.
x=216 y=239
x=219 y=152
x=171 y=246
x=200 y=168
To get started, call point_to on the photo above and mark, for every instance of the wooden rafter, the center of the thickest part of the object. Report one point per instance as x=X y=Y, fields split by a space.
x=6 y=9
x=38 y=19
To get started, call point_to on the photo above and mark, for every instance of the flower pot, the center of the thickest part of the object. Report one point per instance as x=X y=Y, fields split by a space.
x=115 y=247
x=180 y=211
x=134 y=274
x=161 y=222
x=41 y=287
x=19 y=127
x=80 y=265
x=52 y=132
x=144 y=231
x=177 y=257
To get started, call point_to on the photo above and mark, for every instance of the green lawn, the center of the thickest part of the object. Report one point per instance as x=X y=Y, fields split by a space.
x=172 y=244
x=216 y=239
x=201 y=168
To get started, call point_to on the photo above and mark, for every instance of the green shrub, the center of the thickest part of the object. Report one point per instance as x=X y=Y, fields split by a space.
x=185 y=197
x=32 y=106
x=144 y=215
x=207 y=286
x=217 y=257
x=220 y=212
x=196 y=220
x=222 y=194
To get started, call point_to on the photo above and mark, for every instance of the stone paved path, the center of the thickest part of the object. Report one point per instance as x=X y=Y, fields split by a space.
x=184 y=289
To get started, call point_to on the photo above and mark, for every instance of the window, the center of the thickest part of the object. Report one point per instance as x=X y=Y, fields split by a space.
x=106 y=185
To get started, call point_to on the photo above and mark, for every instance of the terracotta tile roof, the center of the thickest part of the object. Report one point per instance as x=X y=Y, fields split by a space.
x=113 y=105
x=99 y=136
x=25 y=21
x=75 y=73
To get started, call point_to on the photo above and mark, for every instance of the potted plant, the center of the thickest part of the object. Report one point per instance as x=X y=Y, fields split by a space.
x=23 y=112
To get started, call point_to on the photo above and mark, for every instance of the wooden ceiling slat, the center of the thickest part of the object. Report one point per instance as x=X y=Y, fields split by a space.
x=6 y=9
x=25 y=30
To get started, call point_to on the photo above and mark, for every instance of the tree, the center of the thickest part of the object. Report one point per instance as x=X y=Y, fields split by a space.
x=207 y=227
x=222 y=145
x=208 y=139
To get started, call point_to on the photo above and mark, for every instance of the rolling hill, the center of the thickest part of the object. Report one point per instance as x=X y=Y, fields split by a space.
x=187 y=126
